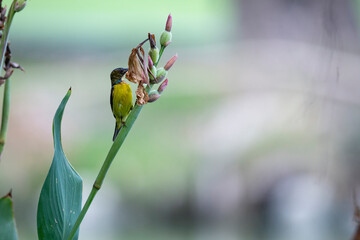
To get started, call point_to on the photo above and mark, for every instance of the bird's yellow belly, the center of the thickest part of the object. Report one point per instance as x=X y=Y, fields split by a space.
x=122 y=100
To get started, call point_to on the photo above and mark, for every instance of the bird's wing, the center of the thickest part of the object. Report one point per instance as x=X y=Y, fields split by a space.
x=111 y=99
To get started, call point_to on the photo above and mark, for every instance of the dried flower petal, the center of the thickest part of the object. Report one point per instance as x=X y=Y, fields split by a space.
x=135 y=72
x=142 y=51
x=152 y=40
x=3 y=14
x=8 y=74
x=16 y=65
x=145 y=73
x=141 y=95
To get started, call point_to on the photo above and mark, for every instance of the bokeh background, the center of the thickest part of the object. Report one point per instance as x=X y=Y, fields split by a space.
x=256 y=137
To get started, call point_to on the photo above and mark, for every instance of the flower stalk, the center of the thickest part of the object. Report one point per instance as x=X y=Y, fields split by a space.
x=5 y=115
x=6 y=100
x=106 y=165
x=118 y=141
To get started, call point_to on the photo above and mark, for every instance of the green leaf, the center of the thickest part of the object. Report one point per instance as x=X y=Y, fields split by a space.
x=7 y=221
x=60 y=197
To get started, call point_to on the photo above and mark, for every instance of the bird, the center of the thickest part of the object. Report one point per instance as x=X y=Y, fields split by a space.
x=120 y=98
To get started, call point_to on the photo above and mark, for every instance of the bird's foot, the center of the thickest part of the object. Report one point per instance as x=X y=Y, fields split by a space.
x=123 y=123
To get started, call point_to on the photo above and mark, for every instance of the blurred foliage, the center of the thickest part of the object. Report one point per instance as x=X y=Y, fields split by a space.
x=102 y=26
x=7 y=221
x=77 y=44
x=264 y=101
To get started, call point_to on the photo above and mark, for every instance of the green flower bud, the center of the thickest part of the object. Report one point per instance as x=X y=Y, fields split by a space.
x=161 y=74
x=19 y=5
x=153 y=96
x=153 y=71
x=165 y=38
x=154 y=54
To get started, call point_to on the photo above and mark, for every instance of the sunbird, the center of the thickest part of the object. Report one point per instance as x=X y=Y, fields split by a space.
x=120 y=98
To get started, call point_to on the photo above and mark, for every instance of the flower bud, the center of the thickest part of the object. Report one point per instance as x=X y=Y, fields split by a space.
x=162 y=86
x=165 y=38
x=171 y=62
x=153 y=78
x=154 y=54
x=152 y=41
x=161 y=74
x=19 y=5
x=168 y=23
x=3 y=14
x=153 y=96
x=152 y=69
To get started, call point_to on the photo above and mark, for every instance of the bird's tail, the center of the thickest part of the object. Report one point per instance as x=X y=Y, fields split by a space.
x=117 y=130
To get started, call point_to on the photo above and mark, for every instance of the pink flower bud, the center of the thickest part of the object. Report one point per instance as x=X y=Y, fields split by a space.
x=168 y=23
x=153 y=96
x=171 y=62
x=20 y=5
x=161 y=74
x=162 y=86
x=167 y=43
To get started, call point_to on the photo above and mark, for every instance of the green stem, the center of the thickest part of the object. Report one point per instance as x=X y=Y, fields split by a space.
x=5 y=115
x=106 y=165
x=6 y=101
x=160 y=54
x=110 y=157
x=5 y=35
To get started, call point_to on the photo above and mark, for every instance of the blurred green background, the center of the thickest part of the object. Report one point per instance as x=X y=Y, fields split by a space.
x=254 y=137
